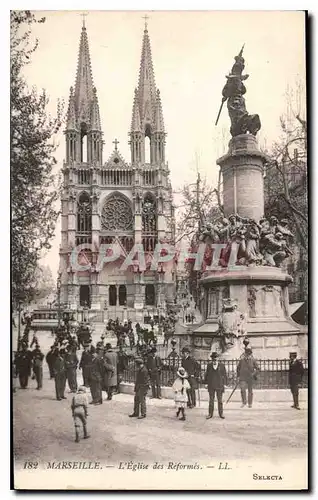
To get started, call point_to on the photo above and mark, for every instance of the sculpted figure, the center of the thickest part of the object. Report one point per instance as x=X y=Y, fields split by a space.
x=253 y=255
x=276 y=249
x=233 y=91
x=231 y=325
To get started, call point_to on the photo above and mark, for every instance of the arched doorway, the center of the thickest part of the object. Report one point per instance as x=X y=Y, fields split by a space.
x=112 y=295
x=85 y=296
x=122 y=295
x=150 y=295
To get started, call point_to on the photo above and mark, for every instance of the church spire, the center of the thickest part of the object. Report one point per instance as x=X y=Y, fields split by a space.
x=146 y=83
x=84 y=80
x=83 y=117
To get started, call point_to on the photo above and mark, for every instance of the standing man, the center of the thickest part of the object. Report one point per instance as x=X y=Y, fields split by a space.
x=191 y=366
x=71 y=363
x=296 y=372
x=38 y=356
x=50 y=359
x=122 y=365
x=96 y=376
x=247 y=370
x=110 y=365
x=86 y=363
x=141 y=389
x=60 y=374
x=154 y=369
x=216 y=379
x=23 y=365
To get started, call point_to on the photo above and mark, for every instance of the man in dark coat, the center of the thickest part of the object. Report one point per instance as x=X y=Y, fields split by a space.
x=141 y=389
x=60 y=374
x=296 y=372
x=50 y=359
x=96 y=377
x=110 y=366
x=122 y=365
x=86 y=363
x=247 y=370
x=192 y=368
x=216 y=379
x=38 y=356
x=154 y=368
x=71 y=363
x=23 y=365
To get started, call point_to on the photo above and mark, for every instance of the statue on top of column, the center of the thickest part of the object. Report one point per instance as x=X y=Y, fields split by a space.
x=233 y=91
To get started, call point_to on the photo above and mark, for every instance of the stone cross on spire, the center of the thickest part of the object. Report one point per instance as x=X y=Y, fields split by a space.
x=83 y=15
x=145 y=17
x=115 y=142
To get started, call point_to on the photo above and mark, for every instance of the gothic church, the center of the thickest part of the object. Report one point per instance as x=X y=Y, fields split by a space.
x=115 y=202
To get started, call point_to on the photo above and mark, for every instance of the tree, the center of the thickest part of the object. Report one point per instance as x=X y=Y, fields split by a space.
x=286 y=188
x=45 y=284
x=200 y=204
x=286 y=175
x=34 y=187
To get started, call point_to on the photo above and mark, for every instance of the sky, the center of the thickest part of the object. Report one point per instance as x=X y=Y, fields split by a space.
x=192 y=52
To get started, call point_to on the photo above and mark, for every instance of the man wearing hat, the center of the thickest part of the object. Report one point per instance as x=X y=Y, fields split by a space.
x=247 y=370
x=110 y=367
x=23 y=365
x=141 y=389
x=79 y=411
x=86 y=363
x=154 y=369
x=71 y=363
x=192 y=368
x=60 y=374
x=37 y=365
x=296 y=372
x=96 y=377
x=50 y=359
x=216 y=379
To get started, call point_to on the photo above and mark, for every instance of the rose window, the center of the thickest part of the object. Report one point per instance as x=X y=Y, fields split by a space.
x=117 y=214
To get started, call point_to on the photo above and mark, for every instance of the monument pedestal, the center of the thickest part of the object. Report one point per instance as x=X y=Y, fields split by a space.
x=261 y=293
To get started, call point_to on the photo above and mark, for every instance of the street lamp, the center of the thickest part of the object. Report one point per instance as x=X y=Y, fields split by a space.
x=58 y=286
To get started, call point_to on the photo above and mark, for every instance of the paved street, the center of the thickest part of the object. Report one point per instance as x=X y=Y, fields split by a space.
x=43 y=431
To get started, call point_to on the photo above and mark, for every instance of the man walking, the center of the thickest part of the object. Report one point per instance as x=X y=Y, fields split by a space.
x=296 y=372
x=141 y=389
x=247 y=370
x=191 y=366
x=60 y=375
x=38 y=356
x=110 y=366
x=154 y=369
x=216 y=379
x=71 y=363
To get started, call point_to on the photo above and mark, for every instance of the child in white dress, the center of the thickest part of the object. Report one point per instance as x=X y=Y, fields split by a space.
x=180 y=387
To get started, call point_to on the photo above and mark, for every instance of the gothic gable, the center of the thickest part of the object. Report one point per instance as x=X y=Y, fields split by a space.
x=116 y=161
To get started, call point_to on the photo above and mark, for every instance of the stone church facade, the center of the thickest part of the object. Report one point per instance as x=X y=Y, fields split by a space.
x=118 y=203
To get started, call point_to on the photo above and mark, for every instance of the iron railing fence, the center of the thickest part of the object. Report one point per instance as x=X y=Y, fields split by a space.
x=273 y=373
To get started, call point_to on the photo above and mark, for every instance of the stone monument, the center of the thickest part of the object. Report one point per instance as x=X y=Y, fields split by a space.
x=248 y=272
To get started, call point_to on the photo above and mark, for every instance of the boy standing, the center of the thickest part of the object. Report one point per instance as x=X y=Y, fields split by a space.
x=79 y=412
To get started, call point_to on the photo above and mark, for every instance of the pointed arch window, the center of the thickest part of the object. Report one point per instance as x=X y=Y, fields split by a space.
x=149 y=215
x=84 y=214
